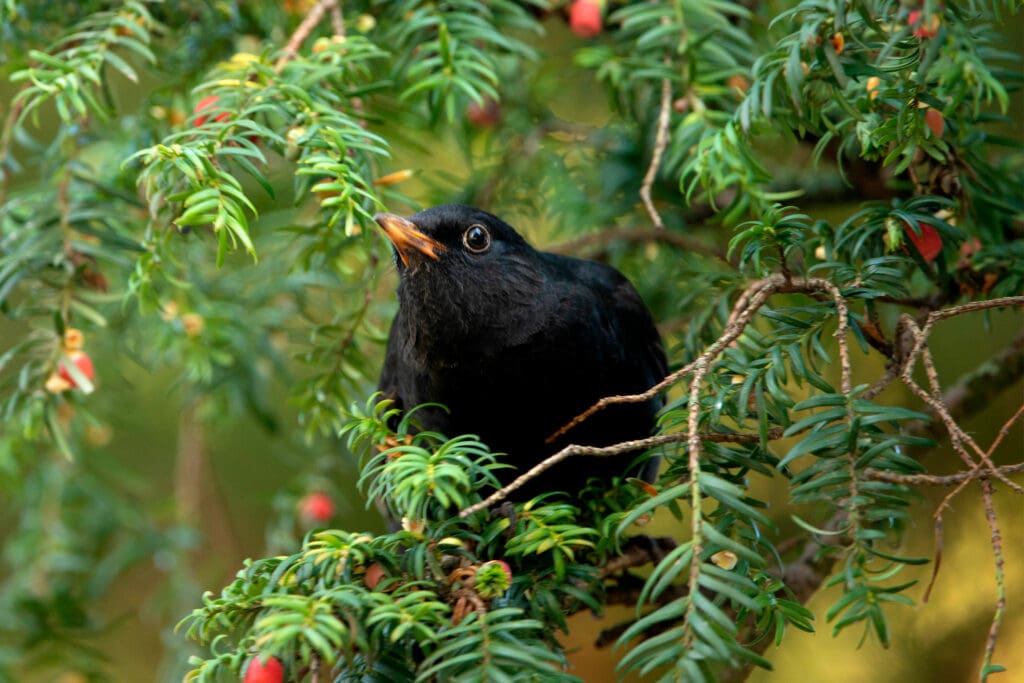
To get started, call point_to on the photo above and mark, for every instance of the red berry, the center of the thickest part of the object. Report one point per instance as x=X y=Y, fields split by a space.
x=373 y=576
x=928 y=243
x=928 y=28
x=486 y=115
x=968 y=248
x=208 y=102
x=82 y=362
x=269 y=671
x=935 y=121
x=585 y=17
x=317 y=507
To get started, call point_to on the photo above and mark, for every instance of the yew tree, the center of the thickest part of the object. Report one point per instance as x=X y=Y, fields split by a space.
x=805 y=193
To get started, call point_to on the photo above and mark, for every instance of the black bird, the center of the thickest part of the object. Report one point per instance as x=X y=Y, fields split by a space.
x=516 y=342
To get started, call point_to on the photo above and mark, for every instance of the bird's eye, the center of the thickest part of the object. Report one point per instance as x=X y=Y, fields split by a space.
x=477 y=239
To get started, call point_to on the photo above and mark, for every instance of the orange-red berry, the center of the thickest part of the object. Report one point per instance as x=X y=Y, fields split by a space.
x=82 y=362
x=924 y=27
x=486 y=115
x=269 y=671
x=928 y=243
x=373 y=576
x=586 y=18
x=935 y=121
x=317 y=507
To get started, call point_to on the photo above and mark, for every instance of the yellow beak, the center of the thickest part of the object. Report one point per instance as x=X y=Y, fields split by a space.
x=407 y=237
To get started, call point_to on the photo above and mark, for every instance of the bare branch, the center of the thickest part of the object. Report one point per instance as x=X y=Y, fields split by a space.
x=1004 y=430
x=641 y=550
x=972 y=306
x=316 y=14
x=337 y=21
x=606 y=451
x=997 y=552
x=660 y=143
x=938 y=479
x=934 y=399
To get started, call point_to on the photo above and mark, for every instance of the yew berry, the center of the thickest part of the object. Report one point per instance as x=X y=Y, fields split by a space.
x=373 y=576
x=968 y=248
x=82 y=363
x=56 y=384
x=586 y=17
x=935 y=121
x=317 y=507
x=73 y=339
x=269 y=671
x=928 y=243
x=924 y=27
x=193 y=324
x=486 y=115
x=872 y=86
x=738 y=83
x=838 y=42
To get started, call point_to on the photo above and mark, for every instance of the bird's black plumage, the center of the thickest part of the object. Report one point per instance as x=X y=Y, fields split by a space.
x=515 y=342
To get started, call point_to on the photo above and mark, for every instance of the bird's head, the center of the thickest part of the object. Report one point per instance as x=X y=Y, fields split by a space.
x=462 y=268
x=451 y=236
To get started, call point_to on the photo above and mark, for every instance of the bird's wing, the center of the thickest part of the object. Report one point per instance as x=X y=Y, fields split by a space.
x=389 y=385
x=639 y=332
x=631 y=325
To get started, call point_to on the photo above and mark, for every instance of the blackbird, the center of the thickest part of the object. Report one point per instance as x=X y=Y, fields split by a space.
x=515 y=342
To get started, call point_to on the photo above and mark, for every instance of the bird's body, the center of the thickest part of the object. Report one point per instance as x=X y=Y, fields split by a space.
x=515 y=342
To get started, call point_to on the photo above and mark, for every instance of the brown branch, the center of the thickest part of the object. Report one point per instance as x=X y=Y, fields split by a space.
x=1004 y=431
x=972 y=306
x=937 y=562
x=314 y=669
x=337 y=21
x=640 y=550
x=997 y=552
x=958 y=438
x=660 y=143
x=938 y=479
x=623 y=398
x=604 y=451
x=892 y=373
x=565 y=453
x=316 y=14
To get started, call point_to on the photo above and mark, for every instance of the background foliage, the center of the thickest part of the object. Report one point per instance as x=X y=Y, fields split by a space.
x=807 y=195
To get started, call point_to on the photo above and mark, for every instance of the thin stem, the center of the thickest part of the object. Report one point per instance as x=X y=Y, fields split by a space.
x=660 y=143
